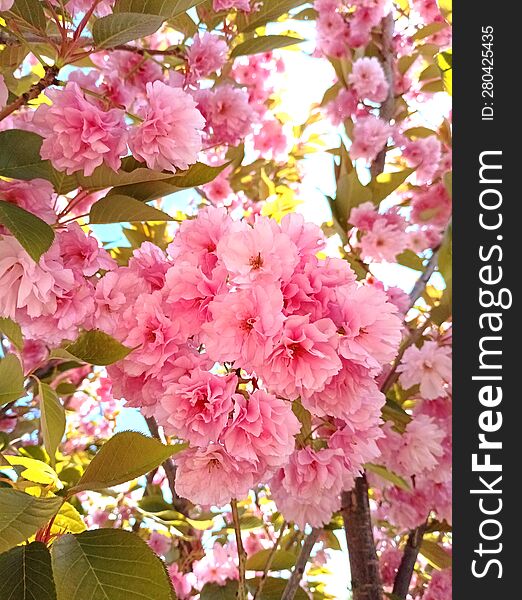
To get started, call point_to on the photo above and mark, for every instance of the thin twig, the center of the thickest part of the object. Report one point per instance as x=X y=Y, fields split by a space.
x=49 y=78
x=422 y=281
x=269 y=562
x=241 y=592
x=295 y=579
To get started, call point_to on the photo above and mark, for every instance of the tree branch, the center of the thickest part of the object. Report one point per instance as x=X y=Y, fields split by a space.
x=422 y=281
x=364 y=564
x=170 y=469
x=34 y=91
x=241 y=592
x=300 y=566
x=402 y=581
x=269 y=562
x=388 y=106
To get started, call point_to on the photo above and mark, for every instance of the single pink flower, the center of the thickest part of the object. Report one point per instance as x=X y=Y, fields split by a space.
x=370 y=135
x=303 y=359
x=258 y=254
x=197 y=406
x=224 y=476
x=368 y=79
x=307 y=490
x=429 y=366
x=78 y=134
x=207 y=54
x=262 y=431
x=169 y=138
x=242 y=325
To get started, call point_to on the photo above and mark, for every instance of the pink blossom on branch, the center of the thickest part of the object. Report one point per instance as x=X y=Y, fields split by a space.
x=169 y=138
x=78 y=134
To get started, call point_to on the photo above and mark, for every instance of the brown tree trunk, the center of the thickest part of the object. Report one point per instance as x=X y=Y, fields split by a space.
x=364 y=564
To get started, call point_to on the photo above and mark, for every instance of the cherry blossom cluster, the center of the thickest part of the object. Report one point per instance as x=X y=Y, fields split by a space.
x=231 y=326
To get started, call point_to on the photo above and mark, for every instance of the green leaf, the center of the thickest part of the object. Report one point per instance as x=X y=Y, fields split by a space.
x=131 y=172
x=274 y=588
x=29 y=13
x=97 y=348
x=428 y=30
x=52 y=419
x=264 y=43
x=12 y=331
x=118 y=208
x=213 y=591
x=392 y=411
x=445 y=63
x=386 y=183
x=409 y=259
x=20 y=155
x=12 y=56
x=11 y=379
x=198 y=174
x=282 y=560
x=388 y=475
x=108 y=564
x=269 y=11
x=22 y=515
x=165 y=8
x=350 y=193
x=33 y=234
x=419 y=132
x=435 y=555
x=26 y=573
x=116 y=29
x=126 y=456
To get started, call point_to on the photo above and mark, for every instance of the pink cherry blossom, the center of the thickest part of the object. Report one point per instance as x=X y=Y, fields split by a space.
x=429 y=366
x=217 y=566
x=351 y=395
x=207 y=54
x=6 y=4
x=228 y=4
x=243 y=325
x=197 y=239
x=421 y=446
x=81 y=252
x=225 y=476
x=431 y=205
x=262 y=430
x=440 y=586
x=182 y=583
x=371 y=328
x=344 y=106
x=368 y=79
x=159 y=543
x=370 y=135
x=197 y=406
x=35 y=196
x=383 y=242
x=227 y=112
x=390 y=561
x=303 y=359
x=169 y=138
x=364 y=216
x=307 y=489
x=27 y=285
x=424 y=154
x=78 y=134
x=260 y=254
